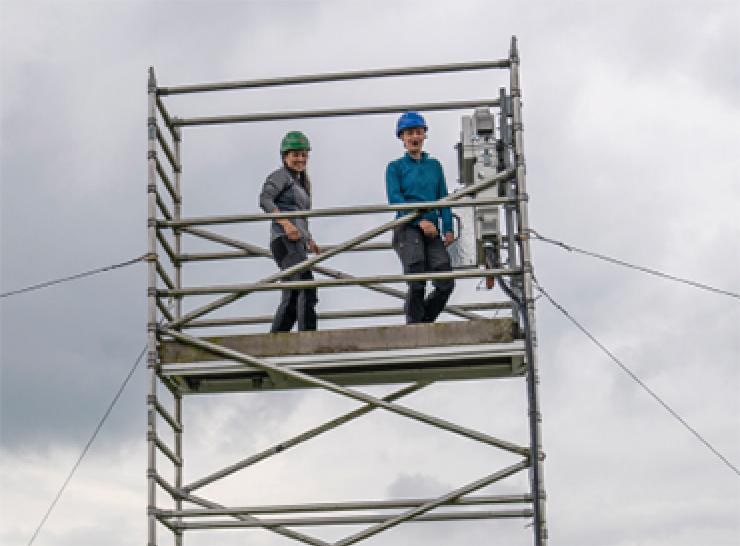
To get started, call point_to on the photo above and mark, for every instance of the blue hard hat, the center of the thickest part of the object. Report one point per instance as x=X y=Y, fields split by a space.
x=409 y=120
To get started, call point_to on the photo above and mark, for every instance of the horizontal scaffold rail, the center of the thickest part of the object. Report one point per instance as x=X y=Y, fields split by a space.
x=335 y=112
x=333 y=211
x=343 y=314
x=327 y=283
x=333 y=77
x=349 y=520
x=473 y=500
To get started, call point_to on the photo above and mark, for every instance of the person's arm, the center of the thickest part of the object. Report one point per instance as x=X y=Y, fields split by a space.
x=272 y=187
x=393 y=185
x=393 y=190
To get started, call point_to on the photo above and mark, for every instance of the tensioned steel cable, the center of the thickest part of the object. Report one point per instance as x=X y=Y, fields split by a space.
x=571 y=248
x=73 y=277
x=89 y=443
x=634 y=377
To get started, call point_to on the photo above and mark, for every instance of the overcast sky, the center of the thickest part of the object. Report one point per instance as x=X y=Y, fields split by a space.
x=632 y=125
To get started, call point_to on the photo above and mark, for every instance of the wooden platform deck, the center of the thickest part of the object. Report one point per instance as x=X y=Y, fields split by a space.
x=443 y=351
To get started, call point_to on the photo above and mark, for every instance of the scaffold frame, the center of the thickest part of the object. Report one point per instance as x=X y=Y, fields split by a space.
x=337 y=361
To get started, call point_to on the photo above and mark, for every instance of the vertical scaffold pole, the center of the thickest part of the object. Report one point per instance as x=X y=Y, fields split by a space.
x=510 y=210
x=535 y=417
x=177 y=134
x=152 y=307
x=178 y=466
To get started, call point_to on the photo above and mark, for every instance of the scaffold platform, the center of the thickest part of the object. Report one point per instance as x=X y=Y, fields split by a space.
x=445 y=351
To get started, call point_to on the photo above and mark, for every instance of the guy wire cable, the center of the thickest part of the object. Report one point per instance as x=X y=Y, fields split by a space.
x=87 y=446
x=635 y=377
x=571 y=248
x=92 y=439
x=73 y=277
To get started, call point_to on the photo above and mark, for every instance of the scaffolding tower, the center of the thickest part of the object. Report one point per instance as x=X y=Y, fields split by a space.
x=473 y=346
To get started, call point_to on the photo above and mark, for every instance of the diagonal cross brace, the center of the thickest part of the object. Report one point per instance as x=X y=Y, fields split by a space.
x=329 y=272
x=300 y=438
x=365 y=236
x=275 y=529
x=431 y=505
x=350 y=393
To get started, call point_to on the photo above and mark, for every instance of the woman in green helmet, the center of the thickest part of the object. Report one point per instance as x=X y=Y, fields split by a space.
x=289 y=189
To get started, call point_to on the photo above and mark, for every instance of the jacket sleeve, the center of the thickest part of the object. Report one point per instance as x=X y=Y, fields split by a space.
x=270 y=190
x=393 y=190
x=441 y=193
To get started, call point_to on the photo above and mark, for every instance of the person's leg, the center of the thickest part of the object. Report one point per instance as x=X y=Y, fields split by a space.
x=437 y=260
x=307 y=300
x=285 y=315
x=286 y=254
x=408 y=244
x=414 y=306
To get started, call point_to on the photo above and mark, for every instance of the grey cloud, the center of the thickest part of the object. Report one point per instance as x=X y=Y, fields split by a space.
x=417 y=485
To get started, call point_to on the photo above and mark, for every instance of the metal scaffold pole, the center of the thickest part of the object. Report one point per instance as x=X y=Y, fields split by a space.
x=535 y=417
x=177 y=137
x=152 y=358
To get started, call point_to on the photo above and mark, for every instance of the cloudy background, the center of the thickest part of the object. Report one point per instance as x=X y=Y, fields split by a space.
x=632 y=117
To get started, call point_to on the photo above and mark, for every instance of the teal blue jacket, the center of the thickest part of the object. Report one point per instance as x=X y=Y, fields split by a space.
x=411 y=181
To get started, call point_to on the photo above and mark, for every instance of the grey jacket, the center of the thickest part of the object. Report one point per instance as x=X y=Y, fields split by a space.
x=286 y=193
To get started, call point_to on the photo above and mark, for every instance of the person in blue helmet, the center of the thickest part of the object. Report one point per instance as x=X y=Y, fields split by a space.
x=421 y=244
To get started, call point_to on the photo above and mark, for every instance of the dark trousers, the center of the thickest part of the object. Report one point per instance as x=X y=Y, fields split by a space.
x=294 y=304
x=421 y=254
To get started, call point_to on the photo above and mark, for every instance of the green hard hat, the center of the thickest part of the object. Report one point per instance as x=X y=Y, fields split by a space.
x=294 y=140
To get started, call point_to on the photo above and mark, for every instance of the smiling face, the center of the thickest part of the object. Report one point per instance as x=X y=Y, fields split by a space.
x=296 y=160
x=413 y=140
